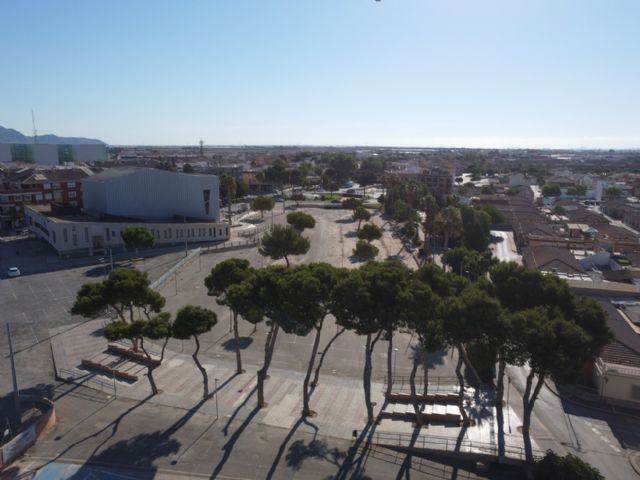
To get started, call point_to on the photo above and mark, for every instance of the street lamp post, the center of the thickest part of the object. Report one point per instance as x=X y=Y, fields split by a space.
x=216 y=391
x=395 y=360
x=508 y=404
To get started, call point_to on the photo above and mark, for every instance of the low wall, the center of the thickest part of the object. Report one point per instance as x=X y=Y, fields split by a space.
x=29 y=436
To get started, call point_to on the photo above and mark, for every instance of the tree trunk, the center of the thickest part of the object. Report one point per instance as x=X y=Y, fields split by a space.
x=390 y=371
x=425 y=372
x=467 y=363
x=236 y=337
x=460 y=376
x=528 y=401
x=359 y=222
x=500 y=408
x=366 y=379
x=366 y=376
x=306 y=411
x=152 y=382
x=164 y=347
x=324 y=354
x=414 y=395
x=284 y=203
x=286 y=259
x=205 y=377
x=268 y=353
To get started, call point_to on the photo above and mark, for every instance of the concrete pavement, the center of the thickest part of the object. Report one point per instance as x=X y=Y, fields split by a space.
x=112 y=438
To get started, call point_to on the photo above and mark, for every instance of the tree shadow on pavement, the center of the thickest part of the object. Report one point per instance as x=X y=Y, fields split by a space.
x=299 y=451
x=286 y=440
x=228 y=447
x=139 y=452
x=357 y=455
x=244 y=342
x=114 y=428
x=406 y=464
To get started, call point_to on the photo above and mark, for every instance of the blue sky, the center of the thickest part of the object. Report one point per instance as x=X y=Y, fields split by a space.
x=539 y=73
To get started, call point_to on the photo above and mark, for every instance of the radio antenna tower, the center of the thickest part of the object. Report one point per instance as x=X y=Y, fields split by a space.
x=35 y=132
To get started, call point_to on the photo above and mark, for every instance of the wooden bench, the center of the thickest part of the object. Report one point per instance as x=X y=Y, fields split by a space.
x=132 y=355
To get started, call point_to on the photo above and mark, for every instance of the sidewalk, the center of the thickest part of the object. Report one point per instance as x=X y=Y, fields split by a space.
x=338 y=402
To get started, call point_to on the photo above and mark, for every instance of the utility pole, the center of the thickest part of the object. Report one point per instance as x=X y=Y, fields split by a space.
x=216 y=382
x=16 y=392
x=35 y=132
x=184 y=231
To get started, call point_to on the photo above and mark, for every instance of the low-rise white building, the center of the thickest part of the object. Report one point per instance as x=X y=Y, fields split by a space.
x=77 y=234
x=616 y=372
x=176 y=208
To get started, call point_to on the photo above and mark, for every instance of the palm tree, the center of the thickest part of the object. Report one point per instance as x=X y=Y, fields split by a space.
x=448 y=223
x=229 y=184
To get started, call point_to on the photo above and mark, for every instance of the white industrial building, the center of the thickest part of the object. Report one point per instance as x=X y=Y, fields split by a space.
x=151 y=194
x=52 y=154
x=176 y=208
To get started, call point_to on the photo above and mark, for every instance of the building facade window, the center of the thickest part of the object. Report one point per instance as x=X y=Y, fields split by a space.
x=86 y=234
x=65 y=235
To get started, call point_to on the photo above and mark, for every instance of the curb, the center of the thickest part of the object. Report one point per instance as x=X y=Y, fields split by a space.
x=634 y=460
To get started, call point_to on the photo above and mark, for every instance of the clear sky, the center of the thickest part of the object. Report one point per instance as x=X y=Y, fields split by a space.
x=483 y=73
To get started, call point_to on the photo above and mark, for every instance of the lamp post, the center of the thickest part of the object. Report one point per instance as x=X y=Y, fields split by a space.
x=395 y=359
x=216 y=392
x=508 y=404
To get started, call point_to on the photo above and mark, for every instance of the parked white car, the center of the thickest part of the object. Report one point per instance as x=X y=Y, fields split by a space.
x=13 y=272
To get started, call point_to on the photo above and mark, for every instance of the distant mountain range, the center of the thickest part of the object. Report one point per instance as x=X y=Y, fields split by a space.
x=9 y=135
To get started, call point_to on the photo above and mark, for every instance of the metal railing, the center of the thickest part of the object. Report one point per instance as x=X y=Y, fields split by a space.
x=221 y=247
x=448 y=444
x=167 y=275
x=87 y=380
x=401 y=384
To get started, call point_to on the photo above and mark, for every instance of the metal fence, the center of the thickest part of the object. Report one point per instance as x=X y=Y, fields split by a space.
x=167 y=275
x=402 y=384
x=252 y=242
x=86 y=380
x=447 y=444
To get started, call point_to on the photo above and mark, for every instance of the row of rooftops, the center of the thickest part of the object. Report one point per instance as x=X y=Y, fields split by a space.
x=534 y=226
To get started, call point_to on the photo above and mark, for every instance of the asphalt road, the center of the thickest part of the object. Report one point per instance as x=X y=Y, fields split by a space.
x=116 y=434
x=35 y=302
x=605 y=440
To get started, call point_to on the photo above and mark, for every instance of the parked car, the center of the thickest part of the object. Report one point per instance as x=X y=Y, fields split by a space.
x=13 y=272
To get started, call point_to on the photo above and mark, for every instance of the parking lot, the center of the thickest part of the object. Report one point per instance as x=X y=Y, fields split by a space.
x=40 y=299
x=35 y=302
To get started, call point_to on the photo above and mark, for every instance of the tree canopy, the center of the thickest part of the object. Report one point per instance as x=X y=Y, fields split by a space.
x=369 y=232
x=262 y=204
x=124 y=290
x=136 y=237
x=282 y=241
x=301 y=220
